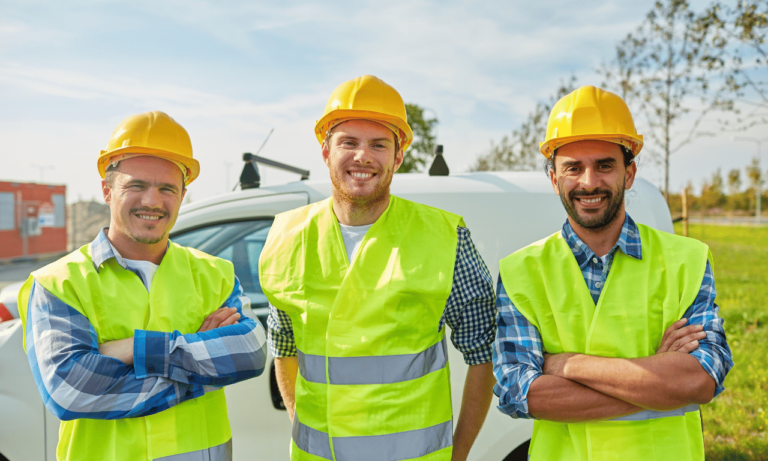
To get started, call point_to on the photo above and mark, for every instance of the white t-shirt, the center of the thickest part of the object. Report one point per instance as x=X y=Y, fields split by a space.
x=145 y=269
x=353 y=236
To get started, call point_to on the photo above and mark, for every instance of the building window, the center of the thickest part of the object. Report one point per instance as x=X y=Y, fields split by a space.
x=59 y=210
x=7 y=212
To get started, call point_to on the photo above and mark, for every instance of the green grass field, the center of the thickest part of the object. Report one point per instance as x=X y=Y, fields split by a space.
x=736 y=422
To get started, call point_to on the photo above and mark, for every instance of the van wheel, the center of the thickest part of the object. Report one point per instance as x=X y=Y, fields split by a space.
x=520 y=453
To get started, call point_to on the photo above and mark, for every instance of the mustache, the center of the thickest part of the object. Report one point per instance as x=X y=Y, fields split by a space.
x=150 y=210
x=585 y=193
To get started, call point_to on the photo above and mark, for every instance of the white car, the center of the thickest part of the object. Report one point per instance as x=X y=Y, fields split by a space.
x=504 y=212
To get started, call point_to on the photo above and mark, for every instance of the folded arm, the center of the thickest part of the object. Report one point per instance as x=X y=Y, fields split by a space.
x=76 y=381
x=522 y=388
x=216 y=357
x=689 y=367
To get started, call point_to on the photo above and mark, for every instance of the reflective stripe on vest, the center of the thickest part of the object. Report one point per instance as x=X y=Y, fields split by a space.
x=380 y=369
x=399 y=445
x=221 y=452
x=653 y=414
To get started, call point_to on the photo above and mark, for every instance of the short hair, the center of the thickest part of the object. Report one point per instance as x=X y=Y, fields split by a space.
x=329 y=134
x=549 y=165
x=114 y=167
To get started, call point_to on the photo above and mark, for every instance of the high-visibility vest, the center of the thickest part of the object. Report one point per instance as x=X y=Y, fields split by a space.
x=373 y=377
x=640 y=300
x=187 y=287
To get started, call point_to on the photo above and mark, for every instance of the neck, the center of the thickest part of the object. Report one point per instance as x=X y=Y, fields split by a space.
x=130 y=249
x=600 y=240
x=352 y=213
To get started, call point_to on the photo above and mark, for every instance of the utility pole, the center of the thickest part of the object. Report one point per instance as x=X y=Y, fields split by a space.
x=758 y=189
x=42 y=169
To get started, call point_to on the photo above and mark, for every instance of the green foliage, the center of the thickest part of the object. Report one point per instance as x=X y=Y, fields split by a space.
x=519 y=151
x=736 y=422
x=423 y=147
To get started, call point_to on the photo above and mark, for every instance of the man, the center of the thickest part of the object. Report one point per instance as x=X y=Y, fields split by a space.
x=362 y=285
x=131 y=338
x=591 y=338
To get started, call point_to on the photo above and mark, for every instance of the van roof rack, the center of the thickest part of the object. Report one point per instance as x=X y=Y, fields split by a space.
x=250 y=177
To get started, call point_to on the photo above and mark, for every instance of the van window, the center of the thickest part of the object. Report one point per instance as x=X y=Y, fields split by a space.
x=239 y=242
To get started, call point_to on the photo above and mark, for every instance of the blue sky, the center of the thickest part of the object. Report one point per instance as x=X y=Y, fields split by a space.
x=231 y=71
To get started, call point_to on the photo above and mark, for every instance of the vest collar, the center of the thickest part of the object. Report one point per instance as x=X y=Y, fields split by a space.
x=102 y=250
x=628 y=243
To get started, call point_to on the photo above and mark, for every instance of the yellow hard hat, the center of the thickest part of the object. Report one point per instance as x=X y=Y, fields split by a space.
x=151 y=133
x=368 y=98
x=590 y=113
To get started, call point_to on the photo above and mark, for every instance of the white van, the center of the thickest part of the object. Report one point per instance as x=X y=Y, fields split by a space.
x=503 y=211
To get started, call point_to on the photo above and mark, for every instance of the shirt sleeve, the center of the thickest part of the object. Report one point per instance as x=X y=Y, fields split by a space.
x=470 y=310
x=713 y=352
x=280 y=335
x=75 y=381
x=518 y=357
x=217 y=357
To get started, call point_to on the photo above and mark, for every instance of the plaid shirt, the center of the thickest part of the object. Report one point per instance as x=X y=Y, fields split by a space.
x=75 y=381
x=469 y=310
x=518 y=354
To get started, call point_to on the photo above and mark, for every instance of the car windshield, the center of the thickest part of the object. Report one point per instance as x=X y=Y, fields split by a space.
x=239 y=242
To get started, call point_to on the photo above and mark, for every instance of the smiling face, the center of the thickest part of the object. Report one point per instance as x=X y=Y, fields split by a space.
x=361 y=158
x=144 y=199
x=590 y=178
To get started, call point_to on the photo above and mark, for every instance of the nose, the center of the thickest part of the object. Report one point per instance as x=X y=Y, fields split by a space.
x=363 y=155
x=151 y=198
x=588 y=179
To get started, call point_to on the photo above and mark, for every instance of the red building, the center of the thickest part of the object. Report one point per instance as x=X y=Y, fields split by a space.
x=33 y=219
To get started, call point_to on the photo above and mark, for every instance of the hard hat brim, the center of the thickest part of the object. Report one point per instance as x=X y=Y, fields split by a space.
x=192 y=165
x=634 y=144
x=323 y=123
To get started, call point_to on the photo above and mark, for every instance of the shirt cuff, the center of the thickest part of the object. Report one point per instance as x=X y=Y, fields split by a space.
x=479 y=356
x=151 y=353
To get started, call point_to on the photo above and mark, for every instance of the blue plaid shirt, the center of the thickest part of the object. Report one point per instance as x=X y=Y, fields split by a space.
x=518 y=355
x=75 y=381
x=469 y=311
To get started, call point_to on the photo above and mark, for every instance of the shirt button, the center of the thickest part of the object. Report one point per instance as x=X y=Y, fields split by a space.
x=151 y=369
x=594 y=260
x=188 y=393
x=191 y=378
x=598 y=284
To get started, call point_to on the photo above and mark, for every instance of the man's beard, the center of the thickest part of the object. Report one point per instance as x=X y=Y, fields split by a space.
x=146 y=240
x=379 y=193
x=594 y=222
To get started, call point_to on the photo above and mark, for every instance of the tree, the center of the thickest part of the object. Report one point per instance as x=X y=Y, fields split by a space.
x=519 y=150
x=423 y=146
x=738 y=37
x=660 y=71
x=712 y=191
x=734 y=188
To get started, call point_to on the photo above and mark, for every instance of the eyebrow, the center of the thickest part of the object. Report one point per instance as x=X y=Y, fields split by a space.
x=579 y=162
x=355 y=138
x=146 y=184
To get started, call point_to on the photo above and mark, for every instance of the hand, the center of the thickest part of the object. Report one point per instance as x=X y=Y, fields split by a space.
x=554 y=364
x=681 y=339
x=121 y=349
x=221 y=317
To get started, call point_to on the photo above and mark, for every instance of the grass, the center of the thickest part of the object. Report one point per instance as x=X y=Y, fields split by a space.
x=736 y=422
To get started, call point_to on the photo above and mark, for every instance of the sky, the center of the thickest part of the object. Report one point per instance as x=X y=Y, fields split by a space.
x=230 y=72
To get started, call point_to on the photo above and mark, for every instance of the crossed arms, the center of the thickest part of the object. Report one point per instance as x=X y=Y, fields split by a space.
x=138 y=376
x=689 y=367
